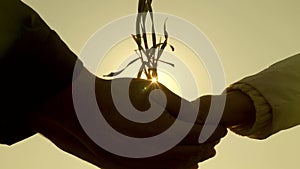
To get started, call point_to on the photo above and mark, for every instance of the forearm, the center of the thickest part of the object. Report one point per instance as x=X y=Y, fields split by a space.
x=275 y=95
x=35 y=65
x=56 y=120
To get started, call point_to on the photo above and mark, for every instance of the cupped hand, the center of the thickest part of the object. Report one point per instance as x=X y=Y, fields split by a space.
x=57 y=120
x=187 y=153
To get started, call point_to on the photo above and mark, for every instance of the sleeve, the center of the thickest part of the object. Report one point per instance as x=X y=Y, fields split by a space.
x=275 y=93
x=35 y=64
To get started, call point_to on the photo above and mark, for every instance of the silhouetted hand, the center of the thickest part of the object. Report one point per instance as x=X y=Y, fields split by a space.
x=239 y=109
x=57 y=121
x=30 y=47
x=186 y=153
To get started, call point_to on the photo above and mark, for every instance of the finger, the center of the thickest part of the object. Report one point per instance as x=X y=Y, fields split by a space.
x=188 y=156
x=203 y=109
x=212 y=105
x=195 y=167
x=140 y=92
x=185 y=110
x=213 y=135
x=178 y=107
x=179 y=157
x=218 y=133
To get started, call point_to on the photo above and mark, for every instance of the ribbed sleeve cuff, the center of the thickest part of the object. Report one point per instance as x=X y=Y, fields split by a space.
x=261 y=128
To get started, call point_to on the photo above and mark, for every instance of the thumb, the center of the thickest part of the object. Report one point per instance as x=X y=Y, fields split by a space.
x=203 y=108
x=176 y=106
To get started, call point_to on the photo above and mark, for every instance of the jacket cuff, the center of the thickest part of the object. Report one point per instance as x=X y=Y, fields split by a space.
x=261 y=128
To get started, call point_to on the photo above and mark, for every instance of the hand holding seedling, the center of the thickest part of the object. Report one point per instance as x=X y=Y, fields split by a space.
x=58 y=122
x=45 y=101
x=36 y=90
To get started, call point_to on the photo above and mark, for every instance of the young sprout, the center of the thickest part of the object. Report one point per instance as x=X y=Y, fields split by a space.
x=151 y=54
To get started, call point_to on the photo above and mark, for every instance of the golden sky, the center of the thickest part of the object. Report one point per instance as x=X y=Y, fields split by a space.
x=248 y=35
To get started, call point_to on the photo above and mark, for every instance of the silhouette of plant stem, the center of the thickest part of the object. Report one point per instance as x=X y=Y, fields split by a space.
x=152 y=54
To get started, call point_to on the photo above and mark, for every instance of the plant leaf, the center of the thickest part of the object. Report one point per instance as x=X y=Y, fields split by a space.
x=152 y=21
x=141 y=6
x=118 y=72
x=143 y=26
x=155 y=52
x=136 y=39
x=171 y=64
x=165 y=29
x=141 y=71
x=172 y=47
x=161 y=50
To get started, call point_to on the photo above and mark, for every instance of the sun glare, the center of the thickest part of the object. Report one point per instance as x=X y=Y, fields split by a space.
x=154 y=80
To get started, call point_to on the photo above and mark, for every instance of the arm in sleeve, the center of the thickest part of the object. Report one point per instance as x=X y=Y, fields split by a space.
x=275 y=93
x=35 y=64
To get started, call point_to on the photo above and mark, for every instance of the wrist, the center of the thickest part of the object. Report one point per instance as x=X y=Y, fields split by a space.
x=239 y=110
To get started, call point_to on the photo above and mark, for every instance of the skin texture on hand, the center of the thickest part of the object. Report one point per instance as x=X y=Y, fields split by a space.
x=57 y=121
